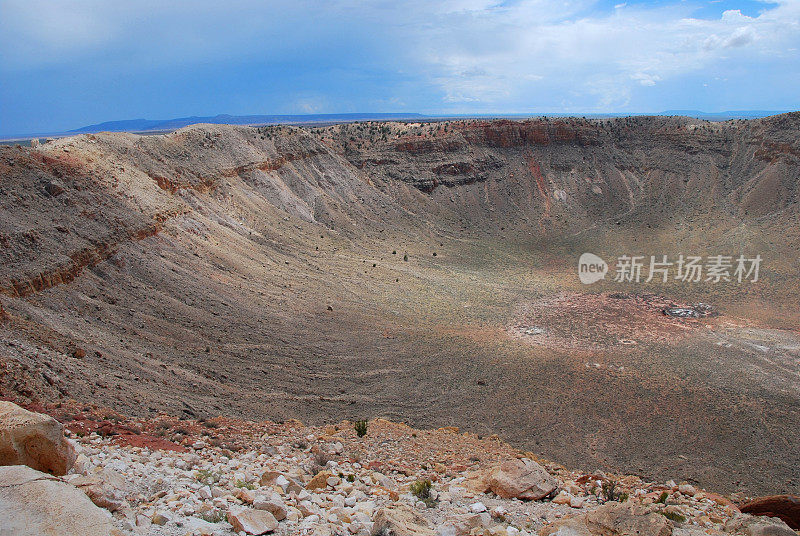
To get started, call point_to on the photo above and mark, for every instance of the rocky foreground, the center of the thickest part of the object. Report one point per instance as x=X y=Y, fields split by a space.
x=167 y=476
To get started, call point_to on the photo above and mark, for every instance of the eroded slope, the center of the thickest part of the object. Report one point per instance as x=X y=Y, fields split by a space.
x=378 y=270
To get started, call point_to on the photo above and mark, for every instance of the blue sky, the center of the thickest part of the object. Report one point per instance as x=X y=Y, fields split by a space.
x=67 y=63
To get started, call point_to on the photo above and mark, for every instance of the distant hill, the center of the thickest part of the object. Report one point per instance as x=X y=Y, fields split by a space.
x=140 y=125
x=165 y=125
x=722 y=116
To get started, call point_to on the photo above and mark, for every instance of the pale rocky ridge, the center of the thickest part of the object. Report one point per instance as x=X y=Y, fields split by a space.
x=294 y=479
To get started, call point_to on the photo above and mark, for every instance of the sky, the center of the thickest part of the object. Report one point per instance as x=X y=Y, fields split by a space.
x=67 y=63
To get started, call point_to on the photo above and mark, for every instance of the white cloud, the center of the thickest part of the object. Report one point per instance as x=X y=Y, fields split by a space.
x=607 y=56
x=646 y=79
x=491 y=54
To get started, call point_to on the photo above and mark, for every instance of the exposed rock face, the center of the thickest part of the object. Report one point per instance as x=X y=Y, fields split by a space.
x=105 y=488
x=400 y=520
x=33 y=439
x=32 y=502
x=785 y=507
x=612 y=519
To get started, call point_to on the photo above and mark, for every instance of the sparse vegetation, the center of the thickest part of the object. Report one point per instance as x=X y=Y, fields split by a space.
x=214 y=516
x=207 y=476
x=361 y=428
x=610 y=492
x=244 y=485
x=663 y=497
x=421 y=489
x=674 y=516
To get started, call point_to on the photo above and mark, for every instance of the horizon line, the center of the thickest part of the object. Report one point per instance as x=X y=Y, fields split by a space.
x=723 y=115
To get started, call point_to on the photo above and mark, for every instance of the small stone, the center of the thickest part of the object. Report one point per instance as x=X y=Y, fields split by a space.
x=499 y=512
x=477 y=508
x=161 y=518
x=320 y=481
x=562 y=498
x=576 y=502
x=245 y=495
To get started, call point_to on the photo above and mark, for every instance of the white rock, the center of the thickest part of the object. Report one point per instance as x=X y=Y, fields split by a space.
x=273 y=505
x=477 y=508
x=252 y=521
x=445 y=530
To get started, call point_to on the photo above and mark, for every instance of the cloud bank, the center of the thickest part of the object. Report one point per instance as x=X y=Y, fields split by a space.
x=109 y=60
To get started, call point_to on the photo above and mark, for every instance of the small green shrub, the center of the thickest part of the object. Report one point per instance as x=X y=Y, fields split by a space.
x=207 y=476
x=421 y=489
x=674 y=516
x=610 y=491
x=214 y=516
x=361 y=428
x=245 y=485
x=663 y=497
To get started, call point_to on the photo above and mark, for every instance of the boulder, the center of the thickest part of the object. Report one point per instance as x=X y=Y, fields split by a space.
x=274 y=505
x=34 y=439
x=785 y=507
x=400 y=520
x=252 y=521
x=521 y=479
x=758 y=526
x=32 y=502
x=611 y=519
